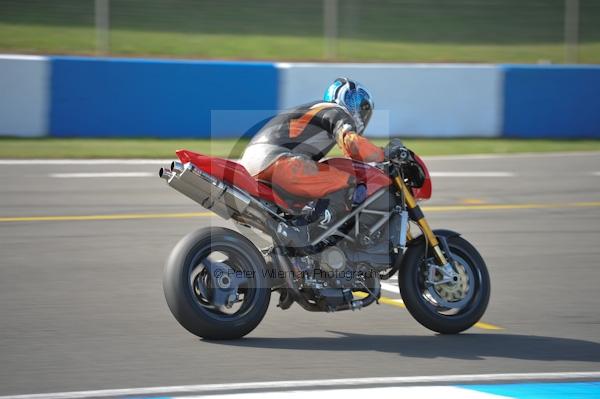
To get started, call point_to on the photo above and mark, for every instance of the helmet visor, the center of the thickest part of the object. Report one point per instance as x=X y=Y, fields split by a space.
x=366 y=111
x=359 y=103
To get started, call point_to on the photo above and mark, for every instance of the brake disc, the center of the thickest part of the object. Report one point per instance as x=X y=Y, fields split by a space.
x=454 y=291
x=452 y=294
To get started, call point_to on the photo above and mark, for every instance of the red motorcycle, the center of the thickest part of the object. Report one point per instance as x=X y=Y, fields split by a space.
x=218 y=284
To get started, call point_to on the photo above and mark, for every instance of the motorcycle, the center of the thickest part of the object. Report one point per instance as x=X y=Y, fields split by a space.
x=218 y=284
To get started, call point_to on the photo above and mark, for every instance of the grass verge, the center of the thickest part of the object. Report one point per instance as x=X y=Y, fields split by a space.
x=378 y=30
x=36 y=39
x=155 y=148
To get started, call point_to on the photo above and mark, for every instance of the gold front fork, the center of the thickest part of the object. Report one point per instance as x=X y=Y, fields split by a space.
x=414 y=209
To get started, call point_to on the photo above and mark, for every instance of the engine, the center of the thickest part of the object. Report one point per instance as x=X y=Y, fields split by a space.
x=332 y=275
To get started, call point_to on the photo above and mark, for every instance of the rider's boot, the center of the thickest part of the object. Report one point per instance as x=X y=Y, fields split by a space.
x=340 y=203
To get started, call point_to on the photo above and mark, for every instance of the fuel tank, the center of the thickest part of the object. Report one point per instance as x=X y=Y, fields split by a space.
x=369 y=175
x=375 y=180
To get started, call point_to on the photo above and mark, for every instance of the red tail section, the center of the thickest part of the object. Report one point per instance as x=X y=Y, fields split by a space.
x=232 y=173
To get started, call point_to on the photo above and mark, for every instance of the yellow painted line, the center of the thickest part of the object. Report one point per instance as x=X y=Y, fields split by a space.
x=122 y=216
x=399 y=304
x=487 y=326
x=472 y=201
x=443 y=208
x=394 y=302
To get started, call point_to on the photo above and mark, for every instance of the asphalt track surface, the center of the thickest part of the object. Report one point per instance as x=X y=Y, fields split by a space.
x=82 y=308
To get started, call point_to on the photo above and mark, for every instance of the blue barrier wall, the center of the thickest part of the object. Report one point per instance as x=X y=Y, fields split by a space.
x=551 y=102
x=141 y=98
x=108 y=97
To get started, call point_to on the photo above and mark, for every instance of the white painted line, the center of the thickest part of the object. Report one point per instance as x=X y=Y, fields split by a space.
x=513 y=155
x=36 y=161
x=473 y=174
x=288 y=385
x=102 y=175
x=433 y=392
x=85 y=161
x=390 y=287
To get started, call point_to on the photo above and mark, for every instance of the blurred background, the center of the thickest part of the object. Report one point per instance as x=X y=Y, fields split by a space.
x=123 y=84
x=512 y=31
x=208 y=70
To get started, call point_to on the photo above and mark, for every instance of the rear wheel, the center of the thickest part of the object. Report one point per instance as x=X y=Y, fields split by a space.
x=215 y=284
x=442 y=304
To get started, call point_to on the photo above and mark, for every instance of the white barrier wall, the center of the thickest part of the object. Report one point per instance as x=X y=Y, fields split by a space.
x=411 y=100
x=24 y=95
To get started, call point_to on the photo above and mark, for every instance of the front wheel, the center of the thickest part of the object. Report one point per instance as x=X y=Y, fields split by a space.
x=447 y=307
x=215 y=284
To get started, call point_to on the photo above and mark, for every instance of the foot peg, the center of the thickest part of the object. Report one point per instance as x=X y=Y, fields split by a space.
x=291 y=236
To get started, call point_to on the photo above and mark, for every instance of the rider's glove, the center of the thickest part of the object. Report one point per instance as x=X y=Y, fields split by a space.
x=396 y=150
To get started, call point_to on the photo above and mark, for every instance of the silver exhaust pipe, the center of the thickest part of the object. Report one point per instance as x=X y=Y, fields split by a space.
x=176 y=167
x=164 y=173
x=211 y=193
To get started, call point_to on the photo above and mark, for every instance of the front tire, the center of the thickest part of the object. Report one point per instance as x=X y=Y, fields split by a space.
x=188 y=286
x=432 y=306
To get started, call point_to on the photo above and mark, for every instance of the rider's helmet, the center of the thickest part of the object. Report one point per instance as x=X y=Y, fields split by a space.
x=353 y=96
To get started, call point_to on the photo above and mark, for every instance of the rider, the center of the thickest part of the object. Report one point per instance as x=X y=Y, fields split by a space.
x=287 y=149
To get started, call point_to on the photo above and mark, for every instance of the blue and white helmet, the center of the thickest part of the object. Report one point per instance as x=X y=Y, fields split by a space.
x=353 y=96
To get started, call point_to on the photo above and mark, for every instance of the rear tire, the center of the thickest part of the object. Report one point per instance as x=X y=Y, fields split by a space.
x=183 y=301
x=434 y=317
